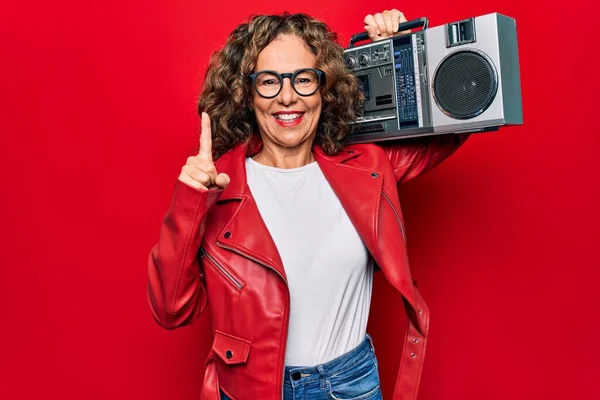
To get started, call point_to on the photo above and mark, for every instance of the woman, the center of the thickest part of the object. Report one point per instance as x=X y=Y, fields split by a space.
x=281 y=235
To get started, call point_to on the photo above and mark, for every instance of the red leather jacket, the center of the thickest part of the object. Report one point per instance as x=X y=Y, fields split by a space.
x=215 y=250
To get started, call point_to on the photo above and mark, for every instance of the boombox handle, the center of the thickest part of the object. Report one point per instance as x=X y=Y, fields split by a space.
x=415 y=23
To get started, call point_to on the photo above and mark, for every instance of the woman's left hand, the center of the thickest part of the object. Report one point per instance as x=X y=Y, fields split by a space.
x=385 y=24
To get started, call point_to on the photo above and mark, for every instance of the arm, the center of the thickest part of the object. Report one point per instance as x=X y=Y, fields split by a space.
x=413 y=157
x=176 y=292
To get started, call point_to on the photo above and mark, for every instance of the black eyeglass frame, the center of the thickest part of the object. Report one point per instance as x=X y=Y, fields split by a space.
x=291 y=75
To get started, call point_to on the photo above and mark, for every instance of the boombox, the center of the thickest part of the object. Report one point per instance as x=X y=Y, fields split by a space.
x=455 y=78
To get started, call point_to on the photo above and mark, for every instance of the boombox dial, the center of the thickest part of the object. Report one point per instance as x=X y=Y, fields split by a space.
x=351 y=62
x=364 y=59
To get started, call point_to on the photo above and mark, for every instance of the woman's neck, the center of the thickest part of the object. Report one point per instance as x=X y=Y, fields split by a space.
x=285 y=157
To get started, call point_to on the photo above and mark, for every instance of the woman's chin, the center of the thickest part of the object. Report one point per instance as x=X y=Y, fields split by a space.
x=288 y=137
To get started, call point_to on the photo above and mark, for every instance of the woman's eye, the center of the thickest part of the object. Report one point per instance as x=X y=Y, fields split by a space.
x=300 y=81
x=269 y=82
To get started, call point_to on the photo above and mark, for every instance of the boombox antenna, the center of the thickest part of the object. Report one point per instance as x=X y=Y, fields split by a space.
x=415 y=23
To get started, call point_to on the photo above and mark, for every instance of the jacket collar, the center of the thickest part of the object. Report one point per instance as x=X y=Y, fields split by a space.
x=233 y=162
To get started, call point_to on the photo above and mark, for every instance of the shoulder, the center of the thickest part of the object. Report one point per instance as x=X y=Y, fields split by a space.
x=371 y=149
x=368 y=155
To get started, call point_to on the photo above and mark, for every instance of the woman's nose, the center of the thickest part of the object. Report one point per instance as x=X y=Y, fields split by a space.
x=287 y=95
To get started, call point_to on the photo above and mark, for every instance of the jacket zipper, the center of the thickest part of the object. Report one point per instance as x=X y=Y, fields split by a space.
x=385 y=196
x=285 y=311
x=223 y=271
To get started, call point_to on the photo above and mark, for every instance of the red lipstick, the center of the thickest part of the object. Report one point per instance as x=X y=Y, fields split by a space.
x=288 y=118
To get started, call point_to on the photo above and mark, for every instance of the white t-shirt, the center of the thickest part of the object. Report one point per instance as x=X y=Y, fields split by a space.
x=329 y=274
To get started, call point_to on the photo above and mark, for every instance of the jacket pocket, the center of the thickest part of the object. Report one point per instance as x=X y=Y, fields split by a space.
x=232 y=279
x=231 y=349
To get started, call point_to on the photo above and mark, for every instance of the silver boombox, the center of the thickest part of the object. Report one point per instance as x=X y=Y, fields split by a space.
x=455 y=78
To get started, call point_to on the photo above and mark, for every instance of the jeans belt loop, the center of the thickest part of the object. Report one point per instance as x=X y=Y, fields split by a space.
x=322 y=375
x=371 y=342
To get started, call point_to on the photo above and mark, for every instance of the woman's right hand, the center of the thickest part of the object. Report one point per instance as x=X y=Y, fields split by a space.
x=199 y=171
x=384 y=24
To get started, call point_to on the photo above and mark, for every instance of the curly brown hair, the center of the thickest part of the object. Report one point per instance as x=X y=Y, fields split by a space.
x=227 y=96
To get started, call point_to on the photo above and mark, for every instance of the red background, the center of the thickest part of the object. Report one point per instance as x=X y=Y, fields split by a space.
x=98 y=113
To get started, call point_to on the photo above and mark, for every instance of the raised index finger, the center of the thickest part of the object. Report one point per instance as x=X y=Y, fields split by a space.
x=205 y=138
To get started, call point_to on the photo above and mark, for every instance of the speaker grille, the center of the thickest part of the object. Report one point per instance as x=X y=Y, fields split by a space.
x=465 y=84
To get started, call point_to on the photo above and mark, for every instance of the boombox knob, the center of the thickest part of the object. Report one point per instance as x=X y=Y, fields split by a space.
x=363 y=59
x=351 y=62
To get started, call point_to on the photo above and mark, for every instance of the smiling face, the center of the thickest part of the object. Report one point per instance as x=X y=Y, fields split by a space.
x=288 y=121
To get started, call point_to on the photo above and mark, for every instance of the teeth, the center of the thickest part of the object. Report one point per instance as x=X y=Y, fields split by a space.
x=288 y=117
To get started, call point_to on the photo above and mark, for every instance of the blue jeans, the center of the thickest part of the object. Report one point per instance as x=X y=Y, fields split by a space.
x=352 y=376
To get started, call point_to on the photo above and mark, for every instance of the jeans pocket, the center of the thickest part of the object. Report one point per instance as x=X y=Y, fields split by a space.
x=361 y=386
x=373 y=394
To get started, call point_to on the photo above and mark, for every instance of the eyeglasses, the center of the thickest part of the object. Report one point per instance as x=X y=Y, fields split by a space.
x=305 y=81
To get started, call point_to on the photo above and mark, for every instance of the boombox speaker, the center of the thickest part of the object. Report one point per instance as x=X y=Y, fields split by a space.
x=459 y=77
